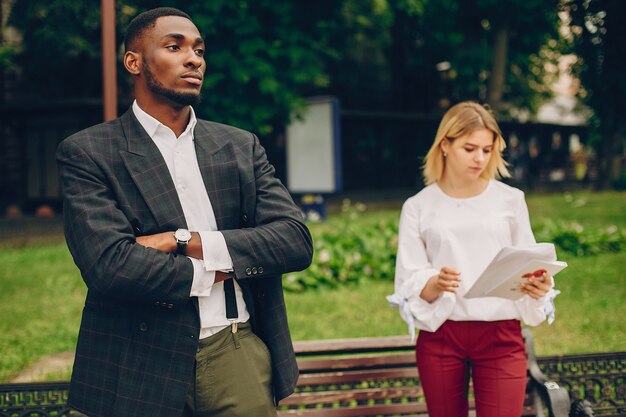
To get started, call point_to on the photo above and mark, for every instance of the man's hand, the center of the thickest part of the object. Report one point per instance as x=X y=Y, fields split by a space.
x=221 y=276
x=163 y=242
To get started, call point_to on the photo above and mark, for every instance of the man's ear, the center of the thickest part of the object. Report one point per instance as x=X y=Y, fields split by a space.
x=132 y=62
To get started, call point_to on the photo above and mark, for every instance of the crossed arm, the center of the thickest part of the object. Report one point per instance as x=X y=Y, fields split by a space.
x=166 y=243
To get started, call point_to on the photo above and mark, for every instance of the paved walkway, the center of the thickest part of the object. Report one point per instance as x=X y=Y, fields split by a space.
x=49 y=367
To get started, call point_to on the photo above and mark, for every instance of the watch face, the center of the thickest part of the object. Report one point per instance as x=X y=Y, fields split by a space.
x=183 y=235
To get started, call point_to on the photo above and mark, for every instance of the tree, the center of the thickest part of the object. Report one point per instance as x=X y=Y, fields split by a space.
x=598 y=38
x=262 y=55
x=60 y=50
x=427 y=50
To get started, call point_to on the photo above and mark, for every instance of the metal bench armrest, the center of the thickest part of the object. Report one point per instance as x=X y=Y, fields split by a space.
x=555 y=396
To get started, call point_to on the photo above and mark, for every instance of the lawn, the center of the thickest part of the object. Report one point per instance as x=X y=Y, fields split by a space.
x=41 y=294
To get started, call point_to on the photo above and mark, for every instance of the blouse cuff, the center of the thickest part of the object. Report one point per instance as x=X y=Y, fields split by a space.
x=418 y=312
x=429 y=316
x=535 y=310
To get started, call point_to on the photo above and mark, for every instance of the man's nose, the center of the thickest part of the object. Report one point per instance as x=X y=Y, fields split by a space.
x=195 y=60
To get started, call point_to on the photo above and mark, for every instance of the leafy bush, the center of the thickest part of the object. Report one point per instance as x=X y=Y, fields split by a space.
x=348 y=248
x=573 y=238
x=359 y=245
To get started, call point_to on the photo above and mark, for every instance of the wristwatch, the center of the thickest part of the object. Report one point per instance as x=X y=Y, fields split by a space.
x=182 y=236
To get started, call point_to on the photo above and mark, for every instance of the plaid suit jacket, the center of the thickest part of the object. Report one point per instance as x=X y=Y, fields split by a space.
x=139 y=331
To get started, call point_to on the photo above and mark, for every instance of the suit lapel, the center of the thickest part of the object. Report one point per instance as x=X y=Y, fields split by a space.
x=219 y=170
x=151 y=175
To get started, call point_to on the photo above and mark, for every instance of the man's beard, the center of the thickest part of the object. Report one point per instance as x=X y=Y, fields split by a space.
x=184 y=99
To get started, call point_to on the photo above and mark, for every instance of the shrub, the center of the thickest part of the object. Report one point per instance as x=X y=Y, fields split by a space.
x=357 y=245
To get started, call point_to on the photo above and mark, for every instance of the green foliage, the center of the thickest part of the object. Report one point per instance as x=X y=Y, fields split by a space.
x=462 y=34
x=575 y=239
x=597 y=36
x=353 y=247
x=60 y=45
x=263 y=56
x=358 y=246
x=7 y=54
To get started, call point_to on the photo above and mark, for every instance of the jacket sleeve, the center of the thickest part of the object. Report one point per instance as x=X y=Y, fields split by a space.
x=101 y=238
x=274 y=239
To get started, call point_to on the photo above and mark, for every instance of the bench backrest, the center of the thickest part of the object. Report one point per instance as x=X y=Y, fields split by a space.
x=360 y=377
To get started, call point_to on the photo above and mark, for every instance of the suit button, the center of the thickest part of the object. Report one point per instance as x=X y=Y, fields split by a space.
x=248 y=271
x=158 y=304
x=143 y=326
x=170 y=306
x=244 y=218
x=254 y=271
x=260 y=270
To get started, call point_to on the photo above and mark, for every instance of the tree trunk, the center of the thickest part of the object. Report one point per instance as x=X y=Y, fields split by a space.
x=608 y=161
x=498 y=68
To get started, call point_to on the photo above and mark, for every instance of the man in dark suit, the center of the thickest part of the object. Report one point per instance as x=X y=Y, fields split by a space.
x=181 y=233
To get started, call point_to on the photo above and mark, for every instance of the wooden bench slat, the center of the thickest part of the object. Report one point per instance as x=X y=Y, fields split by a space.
x=359 y=411
x=363 y=344
x=356 y=362
x=345 y=377
x=359 y=395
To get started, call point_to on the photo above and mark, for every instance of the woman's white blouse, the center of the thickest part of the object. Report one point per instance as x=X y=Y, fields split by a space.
x=437 y=230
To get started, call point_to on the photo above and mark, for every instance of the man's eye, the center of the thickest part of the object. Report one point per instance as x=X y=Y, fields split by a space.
x=200 y=52
x=173 y=47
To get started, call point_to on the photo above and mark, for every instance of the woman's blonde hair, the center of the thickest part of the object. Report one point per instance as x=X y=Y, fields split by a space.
x=461 y=119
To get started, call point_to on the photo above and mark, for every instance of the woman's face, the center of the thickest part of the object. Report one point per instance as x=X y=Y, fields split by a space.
x=468 y=155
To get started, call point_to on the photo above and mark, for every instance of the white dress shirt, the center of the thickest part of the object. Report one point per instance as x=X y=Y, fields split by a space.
x=437 y=230
x=180 y=156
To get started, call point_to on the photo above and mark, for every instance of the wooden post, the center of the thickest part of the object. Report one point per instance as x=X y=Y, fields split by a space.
x=109 y=68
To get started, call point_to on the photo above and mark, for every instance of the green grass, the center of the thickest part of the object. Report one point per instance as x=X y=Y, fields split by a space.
x=41 y=297
x=41 y=294
x=590 y=209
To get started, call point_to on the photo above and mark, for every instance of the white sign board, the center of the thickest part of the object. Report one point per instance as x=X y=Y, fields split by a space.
x=313 y=149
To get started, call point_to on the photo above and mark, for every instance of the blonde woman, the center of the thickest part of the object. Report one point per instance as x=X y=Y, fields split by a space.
x=449 y=232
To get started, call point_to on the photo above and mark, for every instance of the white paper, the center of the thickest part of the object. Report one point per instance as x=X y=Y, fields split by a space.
x=504 y=273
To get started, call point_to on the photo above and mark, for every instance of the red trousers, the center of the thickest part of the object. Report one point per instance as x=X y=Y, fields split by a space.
x=492 y=352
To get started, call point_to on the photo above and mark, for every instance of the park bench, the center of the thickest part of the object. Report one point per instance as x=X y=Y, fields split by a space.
x=377 y=377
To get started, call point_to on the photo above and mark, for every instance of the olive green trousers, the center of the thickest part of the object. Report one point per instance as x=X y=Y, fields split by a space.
x=233 y=377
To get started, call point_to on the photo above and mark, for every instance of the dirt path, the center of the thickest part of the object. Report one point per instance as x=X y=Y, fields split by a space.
x=47 y=368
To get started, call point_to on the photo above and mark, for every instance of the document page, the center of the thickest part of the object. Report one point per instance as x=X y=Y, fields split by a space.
x=507 y=269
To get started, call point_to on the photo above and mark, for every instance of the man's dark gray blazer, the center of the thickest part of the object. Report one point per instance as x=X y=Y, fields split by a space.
x=139 y=331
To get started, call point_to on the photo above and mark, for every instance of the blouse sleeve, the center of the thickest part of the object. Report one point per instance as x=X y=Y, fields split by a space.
x=532 y=311
x=413 y=269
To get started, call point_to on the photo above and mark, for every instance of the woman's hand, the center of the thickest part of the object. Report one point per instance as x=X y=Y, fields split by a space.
x=536 y=286
x=448 y=279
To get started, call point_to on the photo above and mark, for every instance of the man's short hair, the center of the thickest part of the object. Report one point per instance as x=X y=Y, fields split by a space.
x=146 y=20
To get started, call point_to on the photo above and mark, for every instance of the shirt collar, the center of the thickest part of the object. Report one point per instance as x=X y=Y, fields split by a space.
x=151 y=125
